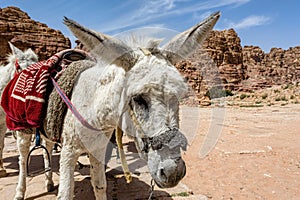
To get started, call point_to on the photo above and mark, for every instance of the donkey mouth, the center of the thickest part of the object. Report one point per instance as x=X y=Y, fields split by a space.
x=167 y=179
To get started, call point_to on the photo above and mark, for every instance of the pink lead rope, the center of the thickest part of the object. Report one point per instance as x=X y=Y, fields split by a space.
x=72 y=107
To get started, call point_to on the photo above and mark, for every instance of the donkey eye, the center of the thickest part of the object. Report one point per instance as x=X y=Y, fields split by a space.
x=140 y=101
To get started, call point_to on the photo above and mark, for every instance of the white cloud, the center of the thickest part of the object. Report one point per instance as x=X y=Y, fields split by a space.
x=156 y=6
x=250 y=21
x=144 y=11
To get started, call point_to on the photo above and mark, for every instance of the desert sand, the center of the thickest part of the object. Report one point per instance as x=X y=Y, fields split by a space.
x=257 y=156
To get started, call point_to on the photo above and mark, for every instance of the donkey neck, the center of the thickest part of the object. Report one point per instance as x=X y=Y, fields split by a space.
x=97 y=94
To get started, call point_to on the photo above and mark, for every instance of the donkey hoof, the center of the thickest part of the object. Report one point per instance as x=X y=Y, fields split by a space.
x=50 y=187
x=19 y=198
x=3 y=173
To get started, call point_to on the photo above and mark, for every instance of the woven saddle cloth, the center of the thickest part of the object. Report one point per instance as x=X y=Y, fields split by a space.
x=57 y=109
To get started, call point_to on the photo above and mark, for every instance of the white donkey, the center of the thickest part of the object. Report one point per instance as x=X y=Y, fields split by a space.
x=134 y=88
x=17 y=60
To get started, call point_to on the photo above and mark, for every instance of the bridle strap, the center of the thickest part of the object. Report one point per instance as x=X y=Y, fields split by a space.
x=140 y=130
x=135 y=122
x=154 y=142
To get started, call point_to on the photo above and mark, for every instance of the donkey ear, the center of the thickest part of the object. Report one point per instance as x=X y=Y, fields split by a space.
x=15 y=50
x=186 y=42
x=32 y=53
x=102 y=46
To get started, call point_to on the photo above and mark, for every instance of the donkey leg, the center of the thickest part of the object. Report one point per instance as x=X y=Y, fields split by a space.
x=98 y=178
x=68 y=159
x=47 y=163
x=2 y=169
x=23 y=142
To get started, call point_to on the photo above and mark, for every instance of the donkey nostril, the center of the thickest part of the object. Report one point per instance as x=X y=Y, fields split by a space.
x=162 y=173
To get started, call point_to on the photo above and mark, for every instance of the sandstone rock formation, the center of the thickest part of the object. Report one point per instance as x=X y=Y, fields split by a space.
x=18 y=28
x=277 y=67
x=218 y=63
x=224 y=48
x=223 y=63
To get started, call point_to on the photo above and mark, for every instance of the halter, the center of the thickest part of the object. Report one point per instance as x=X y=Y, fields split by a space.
x=156 y=142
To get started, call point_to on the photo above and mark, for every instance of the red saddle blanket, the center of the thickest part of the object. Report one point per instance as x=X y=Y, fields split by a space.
x=24 y=99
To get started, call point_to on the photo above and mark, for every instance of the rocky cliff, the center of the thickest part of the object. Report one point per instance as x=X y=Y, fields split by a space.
x=223 y=62
x=277 y=67
x=18 y=28
x=218 y=63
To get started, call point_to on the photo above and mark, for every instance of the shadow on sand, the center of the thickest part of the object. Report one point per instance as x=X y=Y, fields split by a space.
x=117 y=188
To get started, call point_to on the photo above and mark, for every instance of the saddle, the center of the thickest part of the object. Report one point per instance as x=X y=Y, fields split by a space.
x=25 y=98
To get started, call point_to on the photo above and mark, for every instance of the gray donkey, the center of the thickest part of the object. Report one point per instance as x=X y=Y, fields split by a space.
x=132 y=88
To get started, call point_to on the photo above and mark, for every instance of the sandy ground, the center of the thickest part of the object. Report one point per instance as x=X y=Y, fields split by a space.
x=257 y=156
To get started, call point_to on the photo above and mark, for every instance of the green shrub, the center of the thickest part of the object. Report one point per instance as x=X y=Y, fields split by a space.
x=218 y=92
x=287 y=86
x=243 y=96
x=276 y=91
x=264 y=96
x=283 y=98
x=252 y=106
x=228 y=93
x=181 y=194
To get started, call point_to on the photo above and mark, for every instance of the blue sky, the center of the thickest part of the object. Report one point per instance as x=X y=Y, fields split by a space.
x=265 y=23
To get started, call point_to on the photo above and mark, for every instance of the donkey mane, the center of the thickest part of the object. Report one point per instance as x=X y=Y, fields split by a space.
x=137 y=41
x=152 y=77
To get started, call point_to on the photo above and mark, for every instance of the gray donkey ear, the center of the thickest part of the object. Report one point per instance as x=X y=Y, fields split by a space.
x=32 y=54
x=107 y=48
x=186 y=42
x=15 y=50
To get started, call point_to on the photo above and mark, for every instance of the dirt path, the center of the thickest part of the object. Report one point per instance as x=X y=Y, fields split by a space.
x=257 y=157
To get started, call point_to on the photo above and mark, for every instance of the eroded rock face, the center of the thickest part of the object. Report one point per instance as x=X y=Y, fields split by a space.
x=18 y=28
x=223 y=61
x=218 y=63
x=277 y=67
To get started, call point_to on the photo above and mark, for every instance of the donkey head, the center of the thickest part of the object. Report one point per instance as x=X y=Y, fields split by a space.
x=153 y=87
x=18 y=60
x=23 y=59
